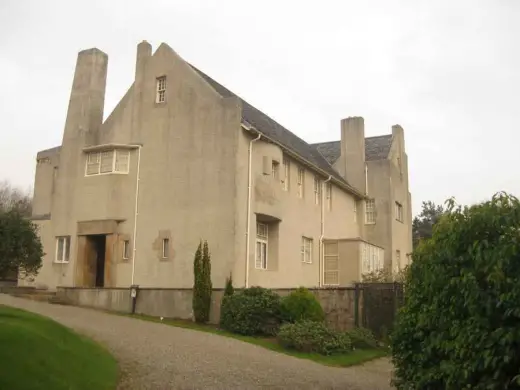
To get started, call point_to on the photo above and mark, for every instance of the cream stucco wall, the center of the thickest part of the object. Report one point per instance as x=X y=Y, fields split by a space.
x=192 y=156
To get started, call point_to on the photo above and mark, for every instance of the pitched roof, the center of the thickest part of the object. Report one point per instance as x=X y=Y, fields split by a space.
x=376 y=148
x=273 y=130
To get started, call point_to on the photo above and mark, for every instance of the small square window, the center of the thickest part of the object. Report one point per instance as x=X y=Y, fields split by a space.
x=126 y=249
x=165 y=248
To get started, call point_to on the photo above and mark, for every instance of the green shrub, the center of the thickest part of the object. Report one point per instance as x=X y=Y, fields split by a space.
x=229 y=290
x=362 y=338
x=311 y=336
x=253 y=311
x=460 y=325
x=301 y=304
x=202 y=287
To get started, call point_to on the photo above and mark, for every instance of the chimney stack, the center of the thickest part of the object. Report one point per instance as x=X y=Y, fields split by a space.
x=144 y=50
x=353 y=152
x=87 y=96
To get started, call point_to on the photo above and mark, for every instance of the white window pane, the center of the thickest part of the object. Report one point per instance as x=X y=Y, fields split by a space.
x=107 y=161
x=122 y=160
x=61 y=249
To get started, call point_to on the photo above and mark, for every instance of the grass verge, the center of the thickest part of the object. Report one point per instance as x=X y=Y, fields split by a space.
x=38 y=353
x=355 y=357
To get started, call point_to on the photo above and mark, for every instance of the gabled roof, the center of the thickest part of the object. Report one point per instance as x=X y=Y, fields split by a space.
x=376 y=148
x=271 y=129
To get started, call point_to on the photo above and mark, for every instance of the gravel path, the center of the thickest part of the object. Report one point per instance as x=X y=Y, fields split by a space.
x=156 y=356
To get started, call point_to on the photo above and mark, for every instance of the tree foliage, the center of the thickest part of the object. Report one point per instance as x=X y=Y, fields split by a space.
x=202 y=287
x=253 y=311
x=460 y=325
x=12 y=198
x=422 y=224
x=229 y=290
x=20 y=248
x=301 y=304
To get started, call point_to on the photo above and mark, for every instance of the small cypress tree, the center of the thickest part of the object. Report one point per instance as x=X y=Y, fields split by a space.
x=197 y=277
x=229 y=290
x=202 y=288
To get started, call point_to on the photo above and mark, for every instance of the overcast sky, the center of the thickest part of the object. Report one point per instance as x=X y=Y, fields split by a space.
x=447 y=71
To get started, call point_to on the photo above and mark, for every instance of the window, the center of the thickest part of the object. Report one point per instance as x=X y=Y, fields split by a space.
x=274 y=169
x=301 y=178
x=161 y=90
x=317 y=190
x=399 y=211
x=109 y=161
x=330 y=263
x=355 y=209
x=165 y=248
x=306 y=250
x=372 y=258
x=62 y=249
x=286 y=171
x=126 y=249
x=261 y=245
x=329 y=196
x=370 y=211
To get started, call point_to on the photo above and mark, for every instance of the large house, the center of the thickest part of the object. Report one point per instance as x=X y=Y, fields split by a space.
x=181 y=158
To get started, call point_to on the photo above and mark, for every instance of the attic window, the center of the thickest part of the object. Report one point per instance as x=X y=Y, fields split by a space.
x=161 y=90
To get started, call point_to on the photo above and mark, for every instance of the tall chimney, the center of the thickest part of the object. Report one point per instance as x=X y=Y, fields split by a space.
x=353 y=152
x=144 y=53
x=87 y=97
x=144 y=50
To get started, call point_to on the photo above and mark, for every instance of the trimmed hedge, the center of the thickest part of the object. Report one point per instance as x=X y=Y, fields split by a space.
x=311 y=336
x=300 y=305
x=362 y=338
x=253 y=311
x=460 y=325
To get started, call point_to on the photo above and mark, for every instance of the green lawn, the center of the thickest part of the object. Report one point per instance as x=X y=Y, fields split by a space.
x=38 y=353
x=344 y=360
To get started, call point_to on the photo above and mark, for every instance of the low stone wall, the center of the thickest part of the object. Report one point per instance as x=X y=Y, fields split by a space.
x=338 y=303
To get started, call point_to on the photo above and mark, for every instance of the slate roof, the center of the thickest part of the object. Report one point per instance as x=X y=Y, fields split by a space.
x=272 y=129
x=376 y=148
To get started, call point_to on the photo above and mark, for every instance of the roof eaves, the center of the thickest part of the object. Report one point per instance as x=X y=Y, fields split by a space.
x=340 y=182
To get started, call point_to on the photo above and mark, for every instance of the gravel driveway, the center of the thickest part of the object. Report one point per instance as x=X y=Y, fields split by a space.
x=156 y=356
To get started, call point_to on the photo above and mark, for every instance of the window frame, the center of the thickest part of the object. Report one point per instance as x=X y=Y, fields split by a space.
x=399 y=213
x=317 y=190
x=371 y=212
x=263 y=240
x=275 y=169
x=126 y=250
x=160 y=90
x=165 y=252
x=355 y=209
x=301 y=182
x=328 y=195
x=286 y=174
x=113 y=171
x=306 y=250
x=66 y=249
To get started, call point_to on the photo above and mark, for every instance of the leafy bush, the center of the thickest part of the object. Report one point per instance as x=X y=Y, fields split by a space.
x=460 y=324
x=202 y=287
x=253 y=311
x=311 y=336
x=301 y=304
x=362 y=338
x=229 y=290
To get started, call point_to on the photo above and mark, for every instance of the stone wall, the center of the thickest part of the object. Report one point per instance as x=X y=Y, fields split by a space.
x=338 y=303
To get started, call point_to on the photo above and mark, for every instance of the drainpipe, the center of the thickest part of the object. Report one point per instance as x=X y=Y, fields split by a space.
x=321 y=251
x=136 y=211
x=248 y=215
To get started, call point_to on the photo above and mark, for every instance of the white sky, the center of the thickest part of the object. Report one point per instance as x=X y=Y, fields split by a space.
x=447 y=71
